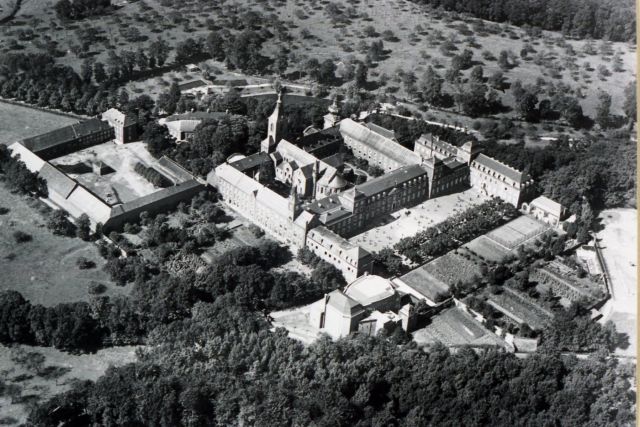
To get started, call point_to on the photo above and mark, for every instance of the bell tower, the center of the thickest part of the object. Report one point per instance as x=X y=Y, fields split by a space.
x=274 y=130
x=333 y=117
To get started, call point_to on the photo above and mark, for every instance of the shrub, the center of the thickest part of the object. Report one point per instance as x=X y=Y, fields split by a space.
x=21 y=236
x=96 y=288
x=84 y=263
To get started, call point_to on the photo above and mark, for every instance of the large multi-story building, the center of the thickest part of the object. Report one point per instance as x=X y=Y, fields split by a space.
x=323 y=207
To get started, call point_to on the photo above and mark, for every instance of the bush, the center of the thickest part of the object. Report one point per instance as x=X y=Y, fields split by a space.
x=84 y=263
x=59 y=223
x=21 y=237
x=96 y=288
x=3 y=210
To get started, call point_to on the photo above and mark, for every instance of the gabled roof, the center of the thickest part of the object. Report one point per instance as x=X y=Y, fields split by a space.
x=390 y=180
x=548 y=205
x=250 y=162
x=117 y=116
x=64 y=135
x=343 y=303
x=290 y=152
x=30 y=160
x=57 y=181
x=387 y=133
x=501 y=168
x=378 y=142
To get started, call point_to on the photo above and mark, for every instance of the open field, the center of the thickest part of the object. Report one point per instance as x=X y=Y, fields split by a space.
x=44 y=269
x=55 y=375
x=454 y=327
x=124 y=184
x=18 y=122
x=296 y=321
x=618 y=241
x=407 y=222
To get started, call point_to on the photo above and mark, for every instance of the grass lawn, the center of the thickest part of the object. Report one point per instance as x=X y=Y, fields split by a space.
x=18 y=122
x=32 y=383
x=44 y=269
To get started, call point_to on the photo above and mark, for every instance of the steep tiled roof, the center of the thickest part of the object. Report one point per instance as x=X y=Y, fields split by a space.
x=251 y=162
x=378 y=142
x=343 y=303
x=501 y=168
x=30 y=160
x=64 y=135
x=57 y=181
x=117 y=116
x=390 y=180
x=547 y=205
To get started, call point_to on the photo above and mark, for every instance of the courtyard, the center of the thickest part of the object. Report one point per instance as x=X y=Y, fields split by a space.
x=118 y=182
x=407 y=222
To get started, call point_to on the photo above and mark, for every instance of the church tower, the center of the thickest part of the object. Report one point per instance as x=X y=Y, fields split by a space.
x=294 y=204
x=333 y=117
x=274 y=130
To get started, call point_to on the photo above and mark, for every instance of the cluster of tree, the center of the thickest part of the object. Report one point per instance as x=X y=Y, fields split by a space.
x=67 y=10
x=222 y=366
x=568 y=174
x=18 y=177
x=407 y=131
x=36 y=79
x=456 y=230
x=152 y=175
x=66 y=326
x=560 y=105
x=611 y=19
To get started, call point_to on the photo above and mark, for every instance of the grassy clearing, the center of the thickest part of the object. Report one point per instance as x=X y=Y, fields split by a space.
x=44 y=269
x=56 y=374
x=18 y=122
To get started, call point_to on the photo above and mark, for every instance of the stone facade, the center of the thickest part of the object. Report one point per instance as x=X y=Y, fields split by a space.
x=350 y=259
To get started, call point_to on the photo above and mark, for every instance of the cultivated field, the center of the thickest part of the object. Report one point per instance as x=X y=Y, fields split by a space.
x=54 y=373
x=407 y=222
x=17 y=122
x=122 y=185
x=453 y=327
x=454 y=267
x=516 y=232
x=520 y=308
x=44 y=269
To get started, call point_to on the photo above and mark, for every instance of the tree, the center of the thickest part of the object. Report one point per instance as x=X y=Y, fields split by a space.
x=477 y=74
x=526 y=106
x=281 y=62
x=157 y=139
x=159 y=50
x=99 y=72
x=503 y=60
x=86 y=70
x=83 y=227
x=630 y=106
x=59 y=223
x=360 y=77
x=431 y=86
x=603 y=110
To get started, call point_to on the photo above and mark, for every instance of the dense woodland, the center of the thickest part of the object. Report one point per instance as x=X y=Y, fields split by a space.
x=611 y=19
x=221 y=366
